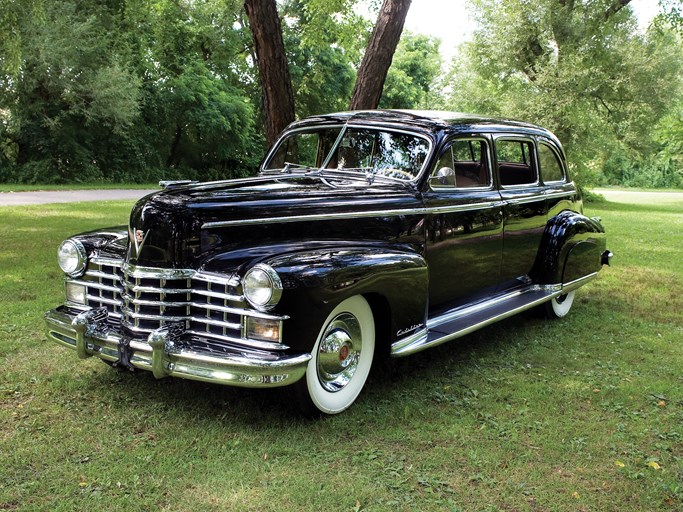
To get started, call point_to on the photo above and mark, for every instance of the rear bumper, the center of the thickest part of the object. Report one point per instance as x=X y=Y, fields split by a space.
x=89 y=335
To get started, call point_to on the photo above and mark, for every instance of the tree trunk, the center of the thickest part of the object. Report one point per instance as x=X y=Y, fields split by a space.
x=278 y=98
x=378 y=55
x=617 y=6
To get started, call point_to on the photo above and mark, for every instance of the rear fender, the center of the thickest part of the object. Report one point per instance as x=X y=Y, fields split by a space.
x=394 y=281
x=571 y=248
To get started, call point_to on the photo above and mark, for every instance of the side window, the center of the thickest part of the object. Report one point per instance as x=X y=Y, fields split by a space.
x=515 y=165
x=551 y=168
x=464 y=164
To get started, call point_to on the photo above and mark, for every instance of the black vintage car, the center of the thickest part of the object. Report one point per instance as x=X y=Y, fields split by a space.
x=364 y=233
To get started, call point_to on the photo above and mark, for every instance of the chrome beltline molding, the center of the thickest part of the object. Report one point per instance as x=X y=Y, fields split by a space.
x=435 y=210
x=356 y=215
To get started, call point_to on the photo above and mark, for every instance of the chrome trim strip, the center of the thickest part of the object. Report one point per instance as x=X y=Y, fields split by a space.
x=217 y=323
x=239 y=367
x=102 y=275
x=233 y=280
x=558 y=195
x=471 y=309
x=419 y=337
x=315 y=217
x=360 y=215
x=103 y=300
x=158 y=273
x=154 y=289
x=404 y=350
x=435 y=210
x=110 y=262
x=95 y=284
x=218 y=295
x=525 y=200
x=418 y=341
x=573 y=285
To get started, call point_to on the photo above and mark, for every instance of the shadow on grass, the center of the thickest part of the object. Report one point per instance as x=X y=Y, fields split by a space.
x=393 y=383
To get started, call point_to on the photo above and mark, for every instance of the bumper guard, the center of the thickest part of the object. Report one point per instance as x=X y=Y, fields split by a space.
x=89 y=334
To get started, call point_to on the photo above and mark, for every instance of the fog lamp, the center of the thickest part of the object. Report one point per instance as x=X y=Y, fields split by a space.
x=263 y=329
x=72 y=257
x=75 y=293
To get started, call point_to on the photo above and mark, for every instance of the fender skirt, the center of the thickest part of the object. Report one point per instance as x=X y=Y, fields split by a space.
x=571 y=248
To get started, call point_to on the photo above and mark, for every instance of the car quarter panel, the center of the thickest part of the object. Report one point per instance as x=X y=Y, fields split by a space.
x=571 y=249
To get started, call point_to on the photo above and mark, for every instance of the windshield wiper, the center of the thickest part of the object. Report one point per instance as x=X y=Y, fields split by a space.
x=368 y=176
x=287 y=169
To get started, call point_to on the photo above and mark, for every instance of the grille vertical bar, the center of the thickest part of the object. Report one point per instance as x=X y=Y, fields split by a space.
x=143 y=299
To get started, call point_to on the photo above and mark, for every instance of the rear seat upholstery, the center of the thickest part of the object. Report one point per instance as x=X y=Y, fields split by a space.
x=515 y=174
x=470 y=174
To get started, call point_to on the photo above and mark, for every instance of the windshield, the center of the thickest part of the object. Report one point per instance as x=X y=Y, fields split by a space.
x=368 y=151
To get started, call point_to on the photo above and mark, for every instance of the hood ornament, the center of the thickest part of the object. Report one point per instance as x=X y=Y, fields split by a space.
x=138 y=238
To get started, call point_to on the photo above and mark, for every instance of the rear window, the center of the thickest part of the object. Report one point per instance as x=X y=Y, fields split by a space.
x=551 y=167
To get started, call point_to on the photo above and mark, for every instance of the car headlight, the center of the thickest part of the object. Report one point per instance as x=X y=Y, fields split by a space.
x=262 y=287
x=72 y=257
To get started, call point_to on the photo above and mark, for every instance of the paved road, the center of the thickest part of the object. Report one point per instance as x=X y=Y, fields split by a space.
x=640 y=197
x=74 y=196
x=67 y=196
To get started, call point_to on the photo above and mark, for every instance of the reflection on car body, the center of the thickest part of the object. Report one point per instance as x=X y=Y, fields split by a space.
x=363 y=233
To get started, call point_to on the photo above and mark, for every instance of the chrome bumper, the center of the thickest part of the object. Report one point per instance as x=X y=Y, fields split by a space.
x=89 y=335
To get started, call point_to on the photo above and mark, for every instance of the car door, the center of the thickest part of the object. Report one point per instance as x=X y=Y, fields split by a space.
x=524 y=210
x=464 y=224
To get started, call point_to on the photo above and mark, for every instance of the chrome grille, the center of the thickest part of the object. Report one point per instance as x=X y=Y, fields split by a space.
x=103 y=286
x=144 y=299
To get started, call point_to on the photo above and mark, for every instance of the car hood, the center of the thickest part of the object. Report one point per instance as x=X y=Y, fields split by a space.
x=185 y=226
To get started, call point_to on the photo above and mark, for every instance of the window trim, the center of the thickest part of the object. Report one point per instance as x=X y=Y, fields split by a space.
x=449 y=146
x=560 y=160
x=513 y=137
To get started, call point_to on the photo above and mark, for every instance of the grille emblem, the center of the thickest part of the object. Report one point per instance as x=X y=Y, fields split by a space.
x=138 y=238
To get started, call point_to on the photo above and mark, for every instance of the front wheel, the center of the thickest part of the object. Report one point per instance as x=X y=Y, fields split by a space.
x=560 y=305
x=341 y=359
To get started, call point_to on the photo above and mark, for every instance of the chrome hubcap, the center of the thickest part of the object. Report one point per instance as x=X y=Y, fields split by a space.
x=339 y=352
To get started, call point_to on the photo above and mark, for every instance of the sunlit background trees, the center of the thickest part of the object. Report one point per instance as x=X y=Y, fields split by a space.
x=136 y=90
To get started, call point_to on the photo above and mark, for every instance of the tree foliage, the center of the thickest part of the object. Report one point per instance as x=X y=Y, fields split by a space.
x=578 y=67
x=122 y=90
x=413 y=78
x=138 y=90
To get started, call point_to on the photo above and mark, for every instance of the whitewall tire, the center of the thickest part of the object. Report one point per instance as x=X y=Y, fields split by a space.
x=342 y=358
x=560 y=306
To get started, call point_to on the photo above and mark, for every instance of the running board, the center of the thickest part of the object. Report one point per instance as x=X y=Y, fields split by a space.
x=465 y=320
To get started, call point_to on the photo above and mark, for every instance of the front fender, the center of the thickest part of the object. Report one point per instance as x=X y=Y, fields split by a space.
x=393 y=280
x=105 y=243
x=571 y=248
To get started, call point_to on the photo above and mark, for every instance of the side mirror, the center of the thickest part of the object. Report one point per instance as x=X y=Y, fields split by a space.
x=444 y=177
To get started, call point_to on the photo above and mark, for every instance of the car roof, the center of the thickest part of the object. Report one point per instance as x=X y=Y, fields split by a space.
x=428 y=120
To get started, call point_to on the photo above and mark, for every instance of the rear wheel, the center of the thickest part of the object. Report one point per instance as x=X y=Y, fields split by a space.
x=342 y=358
x=560 y=305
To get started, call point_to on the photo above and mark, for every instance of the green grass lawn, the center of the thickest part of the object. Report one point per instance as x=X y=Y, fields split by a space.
x=584 y=413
